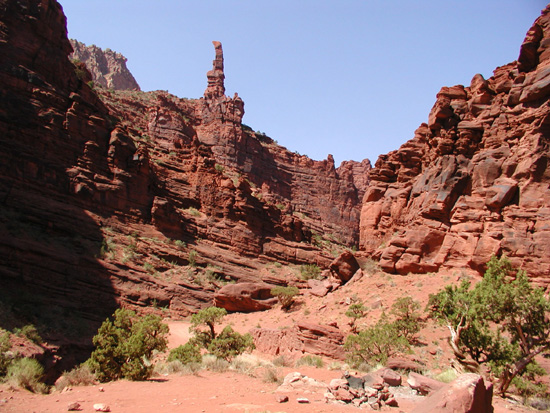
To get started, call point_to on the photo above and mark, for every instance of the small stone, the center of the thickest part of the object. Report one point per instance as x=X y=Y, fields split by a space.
x=281 y=398
x=302 y=400
x=392 y=402
x=100 y=407
x=101 y=389
x=73 y=406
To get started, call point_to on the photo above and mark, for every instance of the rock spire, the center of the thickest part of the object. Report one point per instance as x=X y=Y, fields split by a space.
x=216 y=77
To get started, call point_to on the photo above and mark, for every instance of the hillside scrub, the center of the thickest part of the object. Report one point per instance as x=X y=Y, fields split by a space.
x=501 y=322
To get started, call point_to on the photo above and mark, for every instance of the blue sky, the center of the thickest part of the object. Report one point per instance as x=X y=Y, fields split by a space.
x=353 y=78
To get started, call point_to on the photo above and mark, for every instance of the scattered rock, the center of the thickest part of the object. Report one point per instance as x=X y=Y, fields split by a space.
x=296 y=381
x=74 y=406
x=281 y=398
x=101 y=407
x=390 y=376
x=302 y=400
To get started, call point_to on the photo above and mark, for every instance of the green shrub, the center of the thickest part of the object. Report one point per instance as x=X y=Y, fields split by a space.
x=285 y=295
x=314 y=361
x=407 y=321
x=207 y=317
x=187 y=353
x=502 y=321
x=26 y=373
x=229 y=344
x=124 y=344
x=310 y=272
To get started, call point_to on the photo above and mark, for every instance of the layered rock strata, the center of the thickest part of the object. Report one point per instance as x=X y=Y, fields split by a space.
x=474 y=181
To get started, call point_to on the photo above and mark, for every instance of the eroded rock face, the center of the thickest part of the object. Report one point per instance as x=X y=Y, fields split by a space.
x=108 y=68
x=474 y=180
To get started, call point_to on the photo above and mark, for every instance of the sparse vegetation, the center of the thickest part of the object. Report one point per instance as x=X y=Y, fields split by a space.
x=26 y=373
x=370 y=266
x=355 y=312
x=79 y=376
x=30 y=332
x=193 y=211
x=4 y=348
x=282 y=361
x=285 y=295
x=314 y=361
x=192 y=258
x=310 y=271
x=271 y=375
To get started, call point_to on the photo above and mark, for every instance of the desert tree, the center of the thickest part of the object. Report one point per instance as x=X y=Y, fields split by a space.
x=502 y=322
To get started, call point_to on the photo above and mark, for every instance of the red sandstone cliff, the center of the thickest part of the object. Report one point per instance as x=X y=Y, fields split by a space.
x=112 y=198
x=108 y=68
x=475 y=179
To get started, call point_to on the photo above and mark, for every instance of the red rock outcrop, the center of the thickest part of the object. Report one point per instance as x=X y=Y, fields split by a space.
x=303 y=337
x=474 y=180
x=245 y=297
x=108 y=68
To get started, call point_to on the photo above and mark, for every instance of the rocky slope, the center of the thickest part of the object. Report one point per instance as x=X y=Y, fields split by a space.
x=475 y=179
x=108 y=68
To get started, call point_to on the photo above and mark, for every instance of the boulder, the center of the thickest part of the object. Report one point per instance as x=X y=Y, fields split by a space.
x=390 y=377
x=345 y=266
x=466 y=394
x=245 y=297
x=423 y=384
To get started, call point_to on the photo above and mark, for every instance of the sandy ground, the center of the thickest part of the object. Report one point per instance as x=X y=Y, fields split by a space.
x=250 y=393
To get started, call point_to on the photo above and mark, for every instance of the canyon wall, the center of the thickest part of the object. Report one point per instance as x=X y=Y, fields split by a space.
x=474 y=181
x=115 y=198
